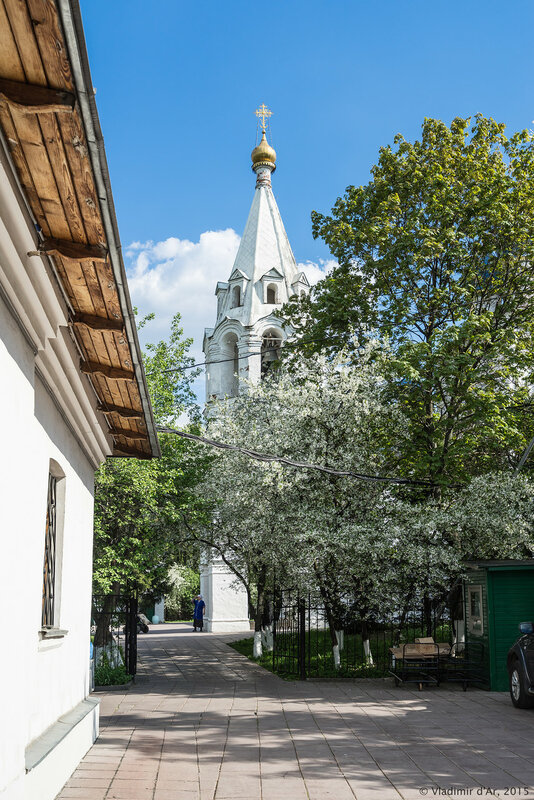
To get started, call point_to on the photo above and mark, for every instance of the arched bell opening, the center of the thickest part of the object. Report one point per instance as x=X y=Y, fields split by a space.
x=271 y=344
x=229 y=366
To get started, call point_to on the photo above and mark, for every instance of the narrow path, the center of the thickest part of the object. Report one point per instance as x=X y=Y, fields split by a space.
x=204 y=723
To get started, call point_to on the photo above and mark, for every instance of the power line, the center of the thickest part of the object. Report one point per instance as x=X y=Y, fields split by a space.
x=298 y=464
x=224 y=360
x=200 y=364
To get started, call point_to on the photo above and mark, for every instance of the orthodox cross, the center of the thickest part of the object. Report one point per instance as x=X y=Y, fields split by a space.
x=263 y=113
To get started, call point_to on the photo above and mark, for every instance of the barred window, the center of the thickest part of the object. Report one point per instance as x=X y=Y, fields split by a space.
x=49 y=565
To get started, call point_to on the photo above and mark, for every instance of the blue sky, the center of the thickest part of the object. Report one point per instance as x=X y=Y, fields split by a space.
x=178 y=82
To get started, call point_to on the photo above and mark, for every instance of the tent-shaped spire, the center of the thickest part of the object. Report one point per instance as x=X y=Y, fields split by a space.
x=263 y=277
x=265 y=269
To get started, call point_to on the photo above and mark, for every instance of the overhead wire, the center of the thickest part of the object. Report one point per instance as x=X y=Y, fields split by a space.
x=289 y=462
x=225 y=360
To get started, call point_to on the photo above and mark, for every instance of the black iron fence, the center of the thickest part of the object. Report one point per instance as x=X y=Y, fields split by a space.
x=114 y=631
x=305 y=645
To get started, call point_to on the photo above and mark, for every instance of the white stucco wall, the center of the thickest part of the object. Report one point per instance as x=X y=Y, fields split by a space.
x=41 y=680
x=225 y=598
x=47 y=413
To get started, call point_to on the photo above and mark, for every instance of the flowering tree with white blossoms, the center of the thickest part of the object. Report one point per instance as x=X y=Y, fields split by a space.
x=381 y=545
x=327 y=533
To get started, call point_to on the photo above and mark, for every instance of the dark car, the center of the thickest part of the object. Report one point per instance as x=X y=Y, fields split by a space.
x=520 y=663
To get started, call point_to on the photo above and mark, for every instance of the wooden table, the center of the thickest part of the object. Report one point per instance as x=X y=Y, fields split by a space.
x=417 y=662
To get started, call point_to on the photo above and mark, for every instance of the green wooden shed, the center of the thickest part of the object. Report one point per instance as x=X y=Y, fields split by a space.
x=498 y=595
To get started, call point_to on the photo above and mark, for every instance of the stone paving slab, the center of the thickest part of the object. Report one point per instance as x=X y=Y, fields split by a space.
x=204 y=723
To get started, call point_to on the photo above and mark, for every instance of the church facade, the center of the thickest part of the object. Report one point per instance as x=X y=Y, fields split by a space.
x=246 y=339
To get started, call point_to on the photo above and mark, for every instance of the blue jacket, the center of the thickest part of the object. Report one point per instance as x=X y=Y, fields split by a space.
x=199 y=609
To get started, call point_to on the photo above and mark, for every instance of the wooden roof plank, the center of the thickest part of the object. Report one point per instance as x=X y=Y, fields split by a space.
x=33 y=146
x=113 y=388
x=112 y=351
x=22 y=29
x=124 y=355
x=49 y=38
x=19 y=159
x=93 y=286
x=76 y=152
x=64 y=182
x=104 y=392
x=75 y=285
x=101 y=341
x=98 y=323
x=125 y=396
x=116 y=373
x=123 y=450
x=101 y=279
x=119 y=350
x=119 y=413
x=108 y=287
x=129 y=434
x=86 y=342
x=134 y=399
x=10 y=63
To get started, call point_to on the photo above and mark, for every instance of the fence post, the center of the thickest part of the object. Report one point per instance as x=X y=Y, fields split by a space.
x=130 y=637
x=302 y=639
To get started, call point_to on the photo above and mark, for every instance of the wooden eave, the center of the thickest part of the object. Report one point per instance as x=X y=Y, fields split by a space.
x=49 y=121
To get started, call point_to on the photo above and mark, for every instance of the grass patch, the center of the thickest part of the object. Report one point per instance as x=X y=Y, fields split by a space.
x=320 y=658
x=246 y=648
x=106 y=675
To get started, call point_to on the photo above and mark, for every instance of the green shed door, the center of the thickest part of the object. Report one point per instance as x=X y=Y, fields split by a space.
x=511 y=602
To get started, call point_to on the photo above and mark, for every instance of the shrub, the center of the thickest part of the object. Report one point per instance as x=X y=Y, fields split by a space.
x=184 y=585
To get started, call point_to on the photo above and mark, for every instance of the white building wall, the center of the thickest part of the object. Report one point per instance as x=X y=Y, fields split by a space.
x=47 y=412
x=225 y=598
x=41 y=680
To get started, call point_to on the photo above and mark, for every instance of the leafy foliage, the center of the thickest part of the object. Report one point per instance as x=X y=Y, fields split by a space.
x=434 y=254
x=107 y=674
x=184 y=585
x=344 y=540
x=139 y=504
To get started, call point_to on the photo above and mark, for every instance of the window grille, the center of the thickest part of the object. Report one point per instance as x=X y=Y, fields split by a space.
x=49 y=566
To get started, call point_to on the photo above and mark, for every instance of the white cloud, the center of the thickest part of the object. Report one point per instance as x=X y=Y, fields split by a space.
x=180 y=275
x=317 y=270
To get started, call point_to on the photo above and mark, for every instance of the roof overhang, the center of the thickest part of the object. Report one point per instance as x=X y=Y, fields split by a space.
x=49 y=119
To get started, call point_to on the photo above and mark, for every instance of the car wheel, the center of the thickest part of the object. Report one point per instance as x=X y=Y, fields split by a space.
x=518 y=695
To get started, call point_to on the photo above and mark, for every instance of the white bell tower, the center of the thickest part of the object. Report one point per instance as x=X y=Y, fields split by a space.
x=247 y=336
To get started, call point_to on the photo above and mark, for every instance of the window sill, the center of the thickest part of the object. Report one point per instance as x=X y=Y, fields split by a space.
x=51 y=637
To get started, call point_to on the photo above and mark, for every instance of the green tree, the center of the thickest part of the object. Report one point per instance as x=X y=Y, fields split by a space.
x=184 y=585
x=357 y=545
x=434 y=254
x=139 y=505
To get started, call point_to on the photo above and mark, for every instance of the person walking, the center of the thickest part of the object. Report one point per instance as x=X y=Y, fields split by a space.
x=198 y=613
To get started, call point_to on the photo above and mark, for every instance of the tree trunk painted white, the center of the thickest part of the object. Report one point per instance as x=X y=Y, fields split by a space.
x=367 y=652
x=340 y=635
x=257 y=650
x=337 y=659
x=108 y=655
x=267 y=638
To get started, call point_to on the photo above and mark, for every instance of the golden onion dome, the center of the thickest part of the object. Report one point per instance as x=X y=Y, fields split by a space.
x=263 y=153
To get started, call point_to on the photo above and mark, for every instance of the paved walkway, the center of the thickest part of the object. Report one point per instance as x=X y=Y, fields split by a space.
x=204 y=723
